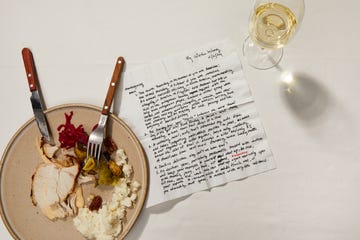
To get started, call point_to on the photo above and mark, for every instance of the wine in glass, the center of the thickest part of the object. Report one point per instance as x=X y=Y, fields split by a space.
x=272 y=24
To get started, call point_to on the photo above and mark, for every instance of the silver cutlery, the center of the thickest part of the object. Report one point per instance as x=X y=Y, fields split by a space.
x=35 y=98
x=96 y=137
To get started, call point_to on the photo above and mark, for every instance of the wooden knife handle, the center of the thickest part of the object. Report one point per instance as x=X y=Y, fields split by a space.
x=120 y=62
x=30 y=69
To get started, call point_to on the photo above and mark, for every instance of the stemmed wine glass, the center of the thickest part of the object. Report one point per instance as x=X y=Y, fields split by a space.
x=272 y=24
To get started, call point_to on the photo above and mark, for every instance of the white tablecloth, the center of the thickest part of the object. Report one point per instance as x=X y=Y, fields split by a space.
x=313 y=132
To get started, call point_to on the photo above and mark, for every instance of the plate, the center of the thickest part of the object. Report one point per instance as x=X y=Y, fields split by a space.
x=25 y=221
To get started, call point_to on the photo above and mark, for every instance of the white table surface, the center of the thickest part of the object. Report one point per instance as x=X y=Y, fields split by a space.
x=313 y=132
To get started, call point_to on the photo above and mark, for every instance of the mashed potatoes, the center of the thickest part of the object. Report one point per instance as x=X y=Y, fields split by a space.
x=106 y=223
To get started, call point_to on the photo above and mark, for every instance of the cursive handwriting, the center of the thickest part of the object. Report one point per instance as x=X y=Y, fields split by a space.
x=212 y=53
x=192 y=121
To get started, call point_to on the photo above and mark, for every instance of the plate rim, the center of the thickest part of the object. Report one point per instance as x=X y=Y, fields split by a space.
x=69 y=105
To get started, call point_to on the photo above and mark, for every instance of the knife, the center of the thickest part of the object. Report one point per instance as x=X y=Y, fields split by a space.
x=35 y=98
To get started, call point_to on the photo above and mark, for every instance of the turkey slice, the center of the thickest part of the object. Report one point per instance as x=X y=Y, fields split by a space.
x=51 y=186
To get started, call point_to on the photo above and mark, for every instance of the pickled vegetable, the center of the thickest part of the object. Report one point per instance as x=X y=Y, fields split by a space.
x=69 y=134
x=106 y=177
x=80 y=151
x=114 y=168
x=90 y=164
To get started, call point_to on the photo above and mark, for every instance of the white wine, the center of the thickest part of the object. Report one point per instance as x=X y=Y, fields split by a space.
x=272 y=25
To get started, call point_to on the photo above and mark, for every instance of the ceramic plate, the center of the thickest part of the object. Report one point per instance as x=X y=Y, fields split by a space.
x=25 y=221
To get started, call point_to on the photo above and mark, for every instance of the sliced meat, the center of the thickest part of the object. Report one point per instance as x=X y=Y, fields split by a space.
x=46 y=151
x=79 y=201
x=54 y=211
x=65 y=158
x=67 y=181
x=49 y=150
x=85 y=179
x=51 y=186
x=53 y=154
x=44 y=178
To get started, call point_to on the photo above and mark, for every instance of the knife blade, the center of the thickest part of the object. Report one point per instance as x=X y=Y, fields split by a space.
x=35 y=98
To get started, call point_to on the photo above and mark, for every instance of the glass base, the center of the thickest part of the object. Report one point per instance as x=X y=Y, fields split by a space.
x=261 y=58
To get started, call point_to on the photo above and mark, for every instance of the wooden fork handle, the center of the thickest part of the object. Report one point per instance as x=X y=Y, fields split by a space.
x=30 y=69
x=114 y=82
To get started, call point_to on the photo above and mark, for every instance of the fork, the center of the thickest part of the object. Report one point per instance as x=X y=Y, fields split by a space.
x=96 y=137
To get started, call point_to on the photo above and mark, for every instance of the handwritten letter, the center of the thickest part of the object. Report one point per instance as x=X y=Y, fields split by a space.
x=199 y=125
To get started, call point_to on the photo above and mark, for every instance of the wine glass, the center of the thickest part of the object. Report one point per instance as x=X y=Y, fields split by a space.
x=272 y=24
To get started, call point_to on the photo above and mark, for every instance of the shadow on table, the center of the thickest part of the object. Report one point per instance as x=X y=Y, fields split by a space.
x=140 y=224
x=143 y=219
x=304 y=95
x=317 y=108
